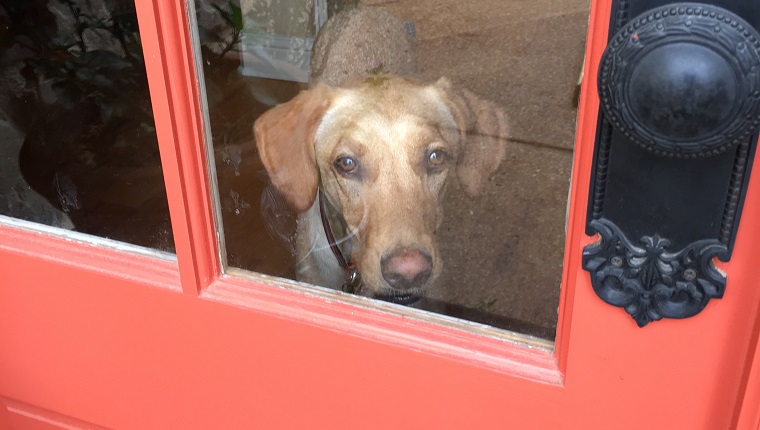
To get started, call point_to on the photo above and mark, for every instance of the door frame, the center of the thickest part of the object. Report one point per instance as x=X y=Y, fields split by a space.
x=595 y=355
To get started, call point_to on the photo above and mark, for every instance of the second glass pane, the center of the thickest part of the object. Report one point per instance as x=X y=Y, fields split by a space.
x=445 y=194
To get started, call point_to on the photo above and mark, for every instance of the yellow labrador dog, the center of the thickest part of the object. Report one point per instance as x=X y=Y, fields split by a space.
x=379 y=150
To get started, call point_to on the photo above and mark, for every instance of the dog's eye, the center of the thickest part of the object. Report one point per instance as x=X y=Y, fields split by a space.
x=345 y=165
x=436 y=158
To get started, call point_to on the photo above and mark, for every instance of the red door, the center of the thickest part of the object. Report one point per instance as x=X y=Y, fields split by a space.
x=99 y=336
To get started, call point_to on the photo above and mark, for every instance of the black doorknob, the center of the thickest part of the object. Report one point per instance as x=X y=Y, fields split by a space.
x=683 y=80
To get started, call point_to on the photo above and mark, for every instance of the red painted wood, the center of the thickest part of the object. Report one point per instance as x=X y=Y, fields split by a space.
x=80 y=252
x=174 y=96
x=23 y=416
x=105 y=338
x=748 y=410
x=588 y=109
x=435 y=340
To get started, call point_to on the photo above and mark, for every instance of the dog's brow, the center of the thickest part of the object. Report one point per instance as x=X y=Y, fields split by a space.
x=339 y=103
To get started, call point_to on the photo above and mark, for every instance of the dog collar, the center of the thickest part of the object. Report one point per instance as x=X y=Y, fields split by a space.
x=353 y=279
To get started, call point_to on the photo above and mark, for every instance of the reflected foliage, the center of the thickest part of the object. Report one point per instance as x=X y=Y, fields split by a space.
x=75 y=94
x=75 y=59
x=83 y=88
x=221 y=33
x=75 y=99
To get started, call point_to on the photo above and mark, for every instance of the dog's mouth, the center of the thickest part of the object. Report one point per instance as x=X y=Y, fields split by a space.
x=398 y=297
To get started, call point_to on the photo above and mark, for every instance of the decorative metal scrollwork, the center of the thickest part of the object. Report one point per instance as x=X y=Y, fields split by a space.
x=648 y=280
x=683 y=80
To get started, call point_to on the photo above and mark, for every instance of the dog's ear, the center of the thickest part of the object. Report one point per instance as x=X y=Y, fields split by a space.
x=483 y=130
x=285 y=139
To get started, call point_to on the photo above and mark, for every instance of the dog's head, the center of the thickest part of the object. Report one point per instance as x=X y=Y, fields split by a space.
x=381 y=149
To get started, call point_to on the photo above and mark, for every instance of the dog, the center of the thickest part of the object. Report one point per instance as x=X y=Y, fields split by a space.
x=370 y=159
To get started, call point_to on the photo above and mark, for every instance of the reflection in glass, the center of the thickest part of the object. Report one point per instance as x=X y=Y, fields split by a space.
x=502 y=250
x=79 y=148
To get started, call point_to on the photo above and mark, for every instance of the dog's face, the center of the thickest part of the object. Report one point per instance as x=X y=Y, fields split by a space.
x=382 y=149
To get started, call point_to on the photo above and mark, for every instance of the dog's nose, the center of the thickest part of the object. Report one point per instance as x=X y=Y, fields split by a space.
x=406 y=268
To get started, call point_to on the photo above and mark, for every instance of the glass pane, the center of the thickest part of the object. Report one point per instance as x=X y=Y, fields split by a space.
x=78 y=146
x=438 y=133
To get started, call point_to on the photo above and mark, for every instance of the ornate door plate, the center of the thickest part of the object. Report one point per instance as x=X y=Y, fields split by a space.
x=679 y=85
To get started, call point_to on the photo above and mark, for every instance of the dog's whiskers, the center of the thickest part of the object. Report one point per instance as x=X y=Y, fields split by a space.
x=355 y=232
x=314 y=248
x=317 y=236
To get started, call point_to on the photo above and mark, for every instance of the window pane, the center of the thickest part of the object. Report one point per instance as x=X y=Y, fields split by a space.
x=489 y=145
x=78 y=143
